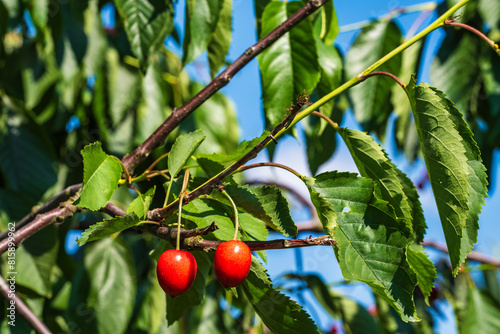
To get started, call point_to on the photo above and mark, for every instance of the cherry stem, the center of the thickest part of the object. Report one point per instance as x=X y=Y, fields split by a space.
x=181 y=200
x=237 y=223
x=168 y=192
x=178 y=241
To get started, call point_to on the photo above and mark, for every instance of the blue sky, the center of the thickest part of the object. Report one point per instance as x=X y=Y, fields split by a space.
x=244 y=90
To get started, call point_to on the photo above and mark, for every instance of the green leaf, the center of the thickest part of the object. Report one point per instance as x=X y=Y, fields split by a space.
x=108 y=227
x=182 y=150
x=482 y=313
x=489 y=10
x=259 y=6
x=147 y=23
x=406 y=137
x=277 y=311
x=287 y=67
x=393 y=185
x=154 y=109
x=456 y=172
x=177 y=307
x=140 y=205
x=329 y=23
x=330 y=63
x=424 y=268
x=266 y=203
x=152 y=305
x=371 y=241
x=101 y=174
x=96 y=39
x=218 y=47
x=217 y=118
x=26 y=159
x=39 y=10
x=36 y=260
x=355 y=318
x=204 y=211
x=200 y=22
x=253 y=230
x=320 y=137
x=457 y=58
x=111 y=287
x=370 y=99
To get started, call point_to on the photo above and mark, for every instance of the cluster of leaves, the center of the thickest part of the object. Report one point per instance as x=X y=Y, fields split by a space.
x=73 y=85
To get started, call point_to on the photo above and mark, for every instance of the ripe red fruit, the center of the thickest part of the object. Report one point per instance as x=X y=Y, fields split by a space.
x=232 y=263
x=176 y=270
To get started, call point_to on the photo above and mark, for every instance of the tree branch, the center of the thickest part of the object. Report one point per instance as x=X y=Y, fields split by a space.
x=131 y=160
x=42 y=220
x=22 y=308
x=49 y=205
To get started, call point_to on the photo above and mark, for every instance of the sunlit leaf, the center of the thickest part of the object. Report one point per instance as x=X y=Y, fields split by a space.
x=370 y=241
x=218 y=47
x=147 y=23
x=182 y=150
x=200 y=22
x=455 y=169
x=287 y=67
x=101 y=174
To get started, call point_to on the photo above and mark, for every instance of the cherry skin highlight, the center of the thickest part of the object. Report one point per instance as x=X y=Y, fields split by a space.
x=232 y=263
x=176 y=270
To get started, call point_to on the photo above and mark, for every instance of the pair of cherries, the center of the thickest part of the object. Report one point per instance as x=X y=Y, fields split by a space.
x=176 y=269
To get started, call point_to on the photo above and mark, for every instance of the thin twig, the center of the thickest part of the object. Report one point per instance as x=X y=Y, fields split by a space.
x=390 y=75
x=451 y=22
x=42 y=220
x=47 y=206
x=178 y=115
x=21 y=308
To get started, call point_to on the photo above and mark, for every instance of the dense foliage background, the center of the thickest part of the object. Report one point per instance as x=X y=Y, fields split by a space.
x=69 y=79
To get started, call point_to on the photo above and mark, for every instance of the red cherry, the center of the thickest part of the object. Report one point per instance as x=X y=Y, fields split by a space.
x=176 y=270
x=232 y=263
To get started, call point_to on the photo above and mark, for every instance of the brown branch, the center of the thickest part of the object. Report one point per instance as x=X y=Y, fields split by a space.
x=197 y=243
x=178 y=115
x=131 y=160
x=21 y=308
x=170 y=234
x=161 y=213
x=42 y=220
x=49 y=205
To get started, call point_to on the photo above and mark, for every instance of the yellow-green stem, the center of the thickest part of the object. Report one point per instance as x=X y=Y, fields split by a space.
x=168 y=192
x=236 y=220
x=178 y=242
